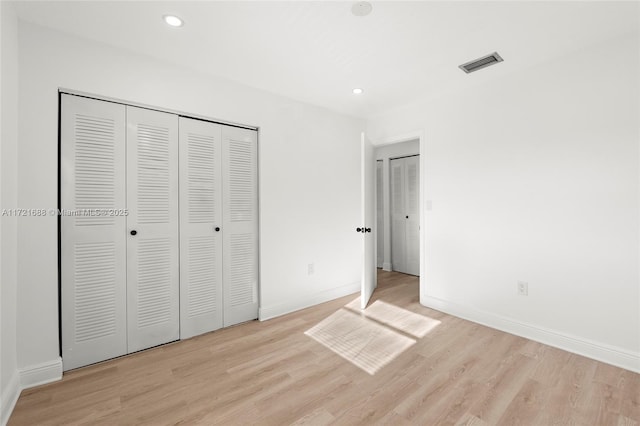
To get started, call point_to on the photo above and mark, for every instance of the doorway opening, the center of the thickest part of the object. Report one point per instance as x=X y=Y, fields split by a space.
x=398 y=212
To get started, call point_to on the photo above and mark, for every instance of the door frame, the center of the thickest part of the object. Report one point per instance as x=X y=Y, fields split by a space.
x=406 y=137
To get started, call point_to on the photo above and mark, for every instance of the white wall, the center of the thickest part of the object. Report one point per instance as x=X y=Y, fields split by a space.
x=386 y=153
x=309 y=189
x=9 y=381
x=535 y=178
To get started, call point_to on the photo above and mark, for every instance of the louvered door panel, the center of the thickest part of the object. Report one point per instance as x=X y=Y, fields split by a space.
x=152 y=253
x=398 y=231
x=240 y=230
x=242 y=275
x=200 y=215
x=92 y=243
x=412 y=216
x=241 y=180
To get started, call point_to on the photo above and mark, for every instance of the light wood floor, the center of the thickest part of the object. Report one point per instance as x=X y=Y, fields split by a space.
x=272 y=373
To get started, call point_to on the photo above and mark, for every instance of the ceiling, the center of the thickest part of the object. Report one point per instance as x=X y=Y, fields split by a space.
x=317 y=52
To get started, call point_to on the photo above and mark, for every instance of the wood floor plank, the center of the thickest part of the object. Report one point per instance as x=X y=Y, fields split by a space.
x=272 y=373
x=525 y=406
x=471 y=420
x=626 y=421
x=631 y=395
x=569 y=398
x=318 y=417
x=502 y=388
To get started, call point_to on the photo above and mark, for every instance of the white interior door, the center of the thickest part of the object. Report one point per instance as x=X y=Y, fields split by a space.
x=200 y=227
x=240 y=224
x=152 y=225
x=93 y=246
x=367 y=188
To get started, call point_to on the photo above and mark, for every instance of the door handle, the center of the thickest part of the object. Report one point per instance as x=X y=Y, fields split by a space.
x=134 y=232
x=359 y=230
x=363 y=230
x=217 y=229
x=367 y=230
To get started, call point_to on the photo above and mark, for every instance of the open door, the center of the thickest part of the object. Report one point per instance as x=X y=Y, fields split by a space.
x=369 y=278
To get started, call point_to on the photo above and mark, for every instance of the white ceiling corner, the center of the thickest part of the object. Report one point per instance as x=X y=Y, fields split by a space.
x=318 y=51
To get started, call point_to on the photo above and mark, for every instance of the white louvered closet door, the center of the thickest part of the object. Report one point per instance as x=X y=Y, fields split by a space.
x=379 y=214
x=200 y=227
x=405 y=216
x=240 y=228
x=92 y=246
x=398 y=229
x=412 y=216
x=152 y=253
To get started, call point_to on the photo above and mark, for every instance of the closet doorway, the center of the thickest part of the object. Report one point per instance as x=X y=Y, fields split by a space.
x=158 y=227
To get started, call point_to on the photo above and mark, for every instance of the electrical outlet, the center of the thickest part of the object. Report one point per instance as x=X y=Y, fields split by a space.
x=311 y=269
x=523 y=288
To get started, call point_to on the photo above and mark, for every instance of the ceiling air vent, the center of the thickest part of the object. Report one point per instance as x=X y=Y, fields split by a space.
x=478 y=64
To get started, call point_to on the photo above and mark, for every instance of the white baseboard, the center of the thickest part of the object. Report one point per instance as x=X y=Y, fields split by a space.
x=268 y=312
x=387 y=267
x=599 y=351
x=10 y=396
x=41 y=374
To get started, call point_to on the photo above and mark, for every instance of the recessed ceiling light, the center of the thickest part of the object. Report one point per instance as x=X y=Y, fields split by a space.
x=361 y=8
x=357 y=91
x=173 y=21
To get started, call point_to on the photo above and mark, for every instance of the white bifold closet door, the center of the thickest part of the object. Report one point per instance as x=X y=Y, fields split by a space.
x=200 y=227
x=130 y=282
x=379 y=214
x=153 y=283
x=93 y=248
x=218 y=226
x=240 y=224
x=405 y=216
x=120 y=283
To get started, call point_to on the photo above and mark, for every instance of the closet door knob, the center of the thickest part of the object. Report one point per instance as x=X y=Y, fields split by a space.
x=134 y=232
x=217 y=229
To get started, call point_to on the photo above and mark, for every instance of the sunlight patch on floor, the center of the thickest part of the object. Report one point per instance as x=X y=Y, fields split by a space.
x=401 y=319
x=373 y=337
x=361 y=341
